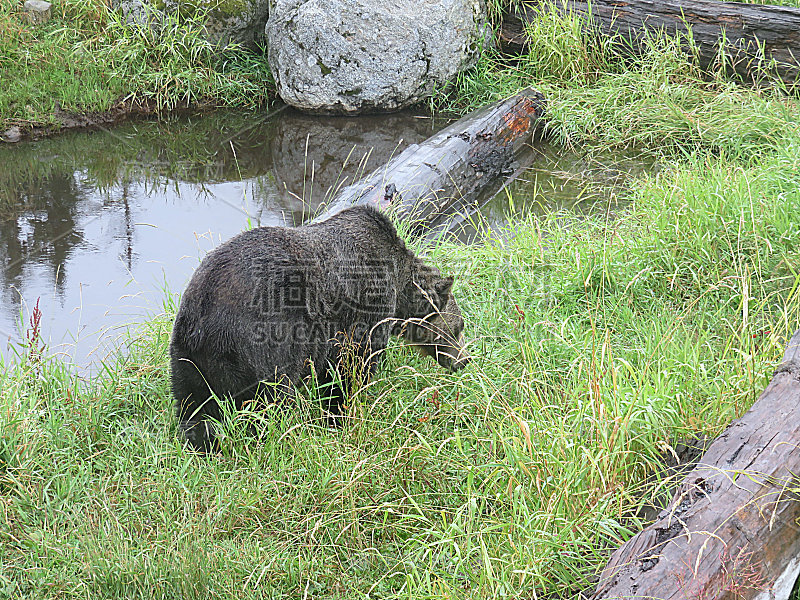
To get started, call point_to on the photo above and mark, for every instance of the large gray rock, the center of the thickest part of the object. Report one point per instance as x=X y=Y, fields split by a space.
x=224 y=21
x=350 y=56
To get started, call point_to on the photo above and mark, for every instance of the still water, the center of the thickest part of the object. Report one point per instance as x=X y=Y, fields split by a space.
x=99 y=227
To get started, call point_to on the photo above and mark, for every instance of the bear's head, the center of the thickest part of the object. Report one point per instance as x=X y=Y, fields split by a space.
x=434 y=325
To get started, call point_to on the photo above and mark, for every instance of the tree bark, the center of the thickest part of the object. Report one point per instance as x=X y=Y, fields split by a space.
x=731 y=531
x=427 y=182
x=754 y=35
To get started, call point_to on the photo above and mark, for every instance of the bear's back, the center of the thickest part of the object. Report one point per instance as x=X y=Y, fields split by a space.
x=235 y=279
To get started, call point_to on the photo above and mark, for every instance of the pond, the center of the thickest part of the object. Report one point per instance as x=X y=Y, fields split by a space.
x=98 y=228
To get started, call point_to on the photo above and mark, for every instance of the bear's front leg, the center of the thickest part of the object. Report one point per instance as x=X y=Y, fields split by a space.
x=354 y=368
x=199 y=434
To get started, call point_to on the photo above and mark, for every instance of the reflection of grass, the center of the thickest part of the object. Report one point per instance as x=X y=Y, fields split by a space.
x=86 y=59
x=185 y=149
x=596 y=347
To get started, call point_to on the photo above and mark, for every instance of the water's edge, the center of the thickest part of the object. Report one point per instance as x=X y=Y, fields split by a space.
x=98 y=227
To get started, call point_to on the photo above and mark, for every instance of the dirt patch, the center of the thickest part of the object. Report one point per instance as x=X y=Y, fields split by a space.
x=677 y=463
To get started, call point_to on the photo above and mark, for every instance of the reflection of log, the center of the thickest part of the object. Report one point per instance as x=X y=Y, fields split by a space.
x=731 y=530
x=430 y=180
x=313 y=156
x=744 y=27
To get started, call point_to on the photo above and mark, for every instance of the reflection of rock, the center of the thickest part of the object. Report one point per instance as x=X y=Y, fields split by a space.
x=348 y=56
x=332 y=142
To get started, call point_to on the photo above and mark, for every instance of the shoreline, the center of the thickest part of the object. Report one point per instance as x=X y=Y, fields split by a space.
x=19 y=130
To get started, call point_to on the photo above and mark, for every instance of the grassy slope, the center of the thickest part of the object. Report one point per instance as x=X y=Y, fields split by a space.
x=85 y=59
x=600 y=341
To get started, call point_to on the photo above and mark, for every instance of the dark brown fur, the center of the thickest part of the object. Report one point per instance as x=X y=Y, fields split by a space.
x=266 y=305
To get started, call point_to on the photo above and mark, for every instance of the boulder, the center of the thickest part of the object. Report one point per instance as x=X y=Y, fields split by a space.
x=224 y=21
x=353 y=56
x=12 y=134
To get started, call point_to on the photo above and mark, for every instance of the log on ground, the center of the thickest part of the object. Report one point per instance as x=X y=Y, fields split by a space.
x=731 y=530
x=428 y=182
x=754 y=35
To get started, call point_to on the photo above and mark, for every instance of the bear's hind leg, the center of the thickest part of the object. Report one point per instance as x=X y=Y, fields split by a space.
x=194 y=405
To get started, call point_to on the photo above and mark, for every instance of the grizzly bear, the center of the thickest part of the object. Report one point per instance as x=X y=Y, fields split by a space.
x=272 y=304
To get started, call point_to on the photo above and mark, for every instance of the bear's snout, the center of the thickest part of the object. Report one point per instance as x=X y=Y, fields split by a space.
x=460 y=362
x=452 y=357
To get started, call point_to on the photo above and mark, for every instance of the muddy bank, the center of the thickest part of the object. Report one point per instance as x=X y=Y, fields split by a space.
x=21 y=130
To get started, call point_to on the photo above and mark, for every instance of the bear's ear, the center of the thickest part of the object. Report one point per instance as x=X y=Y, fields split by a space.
x=443 y=287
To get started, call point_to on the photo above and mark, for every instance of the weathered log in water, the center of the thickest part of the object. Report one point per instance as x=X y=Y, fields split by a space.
x=427 y=182
x=731 y=529
x=753 y=35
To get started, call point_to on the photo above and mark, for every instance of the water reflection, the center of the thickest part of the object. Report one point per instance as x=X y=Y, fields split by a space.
x=97 y=225
x=583 y=182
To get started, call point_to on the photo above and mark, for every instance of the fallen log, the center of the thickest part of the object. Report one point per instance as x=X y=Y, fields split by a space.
x=731 y=530
x=428 y=182
x=754 y=36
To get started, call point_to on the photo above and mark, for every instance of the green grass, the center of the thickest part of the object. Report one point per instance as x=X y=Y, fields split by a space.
x=498 y=7
x=598 y=343
x=790 y=3
x=599 y=96
x=86 y=59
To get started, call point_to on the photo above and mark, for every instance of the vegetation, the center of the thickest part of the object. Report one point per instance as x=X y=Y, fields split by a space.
x=88 y=59
x=600 y=341
x=498 y=7
x=791 y=3
x=598 y=344
x=658 y=101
